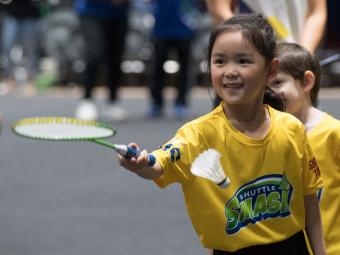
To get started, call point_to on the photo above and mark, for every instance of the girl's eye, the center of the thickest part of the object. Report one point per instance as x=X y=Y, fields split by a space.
x=218 y=61
x=244 y=61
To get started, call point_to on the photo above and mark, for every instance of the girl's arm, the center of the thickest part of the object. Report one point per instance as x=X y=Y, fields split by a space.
x=139 y=165
x=314 y=225
x=220 y=10
x=314 y=25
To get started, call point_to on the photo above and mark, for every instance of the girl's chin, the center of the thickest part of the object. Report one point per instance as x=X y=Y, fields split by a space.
x=231 y=101
x=231 y=92
x=232 y=97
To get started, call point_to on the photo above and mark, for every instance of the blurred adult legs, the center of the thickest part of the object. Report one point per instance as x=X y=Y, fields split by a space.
x=22 y=33
x=183 y=49
x=104 y=47
x=104 y=44
x=162 y=48
x=157 y=84
x=115 y=45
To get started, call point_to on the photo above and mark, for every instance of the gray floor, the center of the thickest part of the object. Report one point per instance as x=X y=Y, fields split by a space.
x=72 y=198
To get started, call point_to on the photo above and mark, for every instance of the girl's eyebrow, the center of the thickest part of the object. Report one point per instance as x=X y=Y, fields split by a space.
x=221 y=54
x=244 y=54
x=218 y=54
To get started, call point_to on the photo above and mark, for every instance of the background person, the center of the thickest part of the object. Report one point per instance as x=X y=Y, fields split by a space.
x=174 y=30
x=299 y=21
x=20 y=39
x=298 y=79
x=104 y=24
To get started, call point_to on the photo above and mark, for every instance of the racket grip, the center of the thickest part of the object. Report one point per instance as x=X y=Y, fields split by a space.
x=129 y=152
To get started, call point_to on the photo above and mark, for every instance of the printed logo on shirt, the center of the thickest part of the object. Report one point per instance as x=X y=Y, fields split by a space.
x=265 y=197
x=313 y=166
x=175 y=153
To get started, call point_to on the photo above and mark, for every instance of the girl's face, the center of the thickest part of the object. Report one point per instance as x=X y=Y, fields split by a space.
x=291 y=88
x=239 y=72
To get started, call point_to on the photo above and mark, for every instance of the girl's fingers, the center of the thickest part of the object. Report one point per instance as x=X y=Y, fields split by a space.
x=134 y=145
x=123 y=161
x=143 y=157
x=134 y=164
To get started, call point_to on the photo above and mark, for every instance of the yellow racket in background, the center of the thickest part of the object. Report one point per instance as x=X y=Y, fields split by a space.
x=71 y=129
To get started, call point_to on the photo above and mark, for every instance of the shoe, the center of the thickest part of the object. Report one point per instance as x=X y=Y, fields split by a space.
x=86 y=110
x=181 y=112
x=113 y=112
x=154 y=112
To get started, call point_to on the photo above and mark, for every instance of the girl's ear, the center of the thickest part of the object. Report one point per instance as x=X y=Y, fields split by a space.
x=273 y=69
x=308 y=81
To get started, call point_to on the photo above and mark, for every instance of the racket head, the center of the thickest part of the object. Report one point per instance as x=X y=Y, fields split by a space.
x=62 y=129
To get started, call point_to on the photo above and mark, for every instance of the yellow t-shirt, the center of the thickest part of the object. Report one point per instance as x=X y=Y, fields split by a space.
x=269 y=178
x=325 y=142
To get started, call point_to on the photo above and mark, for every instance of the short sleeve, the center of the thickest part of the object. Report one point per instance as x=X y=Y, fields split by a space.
x=175 y=157
x=335 y=144
x=311 y=176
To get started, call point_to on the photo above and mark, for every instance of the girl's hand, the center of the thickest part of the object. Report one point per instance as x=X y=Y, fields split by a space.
x=134 y=164
x=140 y=164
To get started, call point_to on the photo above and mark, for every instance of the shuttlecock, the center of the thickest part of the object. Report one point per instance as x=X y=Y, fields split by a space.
x=207 y=165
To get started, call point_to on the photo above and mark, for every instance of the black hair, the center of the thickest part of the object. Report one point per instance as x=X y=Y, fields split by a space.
x=256 y=30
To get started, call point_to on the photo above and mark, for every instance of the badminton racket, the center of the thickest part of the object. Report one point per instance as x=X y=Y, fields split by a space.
x=71 y=129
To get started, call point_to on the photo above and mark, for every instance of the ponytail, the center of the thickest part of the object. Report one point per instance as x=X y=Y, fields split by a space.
x=277 y=101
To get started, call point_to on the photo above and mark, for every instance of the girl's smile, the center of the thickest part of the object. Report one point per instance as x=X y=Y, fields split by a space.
x=233 y=85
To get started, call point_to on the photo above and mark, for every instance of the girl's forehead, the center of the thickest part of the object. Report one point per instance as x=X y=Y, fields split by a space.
x=232 y=36
x=232 y=40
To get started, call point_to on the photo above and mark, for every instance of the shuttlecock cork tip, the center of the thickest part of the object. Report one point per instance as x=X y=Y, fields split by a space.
x=224 y=184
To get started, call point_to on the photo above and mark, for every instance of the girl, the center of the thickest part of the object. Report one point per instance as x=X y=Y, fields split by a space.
x=265 y=153
x=298 y=78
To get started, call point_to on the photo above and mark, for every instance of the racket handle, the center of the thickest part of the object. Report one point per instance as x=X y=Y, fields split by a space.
x=129 y=152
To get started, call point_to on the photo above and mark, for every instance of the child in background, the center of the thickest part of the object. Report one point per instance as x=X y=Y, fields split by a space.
x=298 y=79
x=272 y=194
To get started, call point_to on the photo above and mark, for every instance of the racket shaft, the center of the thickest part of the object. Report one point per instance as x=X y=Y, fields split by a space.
x=129 y=152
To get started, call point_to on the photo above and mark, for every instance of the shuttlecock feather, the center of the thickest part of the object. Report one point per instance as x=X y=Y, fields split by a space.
x=207 y=165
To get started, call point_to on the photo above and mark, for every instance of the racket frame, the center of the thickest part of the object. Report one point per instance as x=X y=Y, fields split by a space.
x=124 y=150
x=64 y=120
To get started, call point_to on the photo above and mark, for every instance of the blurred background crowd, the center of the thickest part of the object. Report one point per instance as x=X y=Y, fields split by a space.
x=47 y=43
x=39 y=36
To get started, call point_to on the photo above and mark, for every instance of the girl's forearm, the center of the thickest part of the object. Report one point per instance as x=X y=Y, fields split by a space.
x=150 y=172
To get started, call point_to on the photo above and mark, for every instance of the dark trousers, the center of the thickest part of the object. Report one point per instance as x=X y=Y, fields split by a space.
x=295 y=245
x=162 y=47
x=104 y=46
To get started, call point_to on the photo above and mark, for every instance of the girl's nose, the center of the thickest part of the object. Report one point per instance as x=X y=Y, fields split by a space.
x=231 y=74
